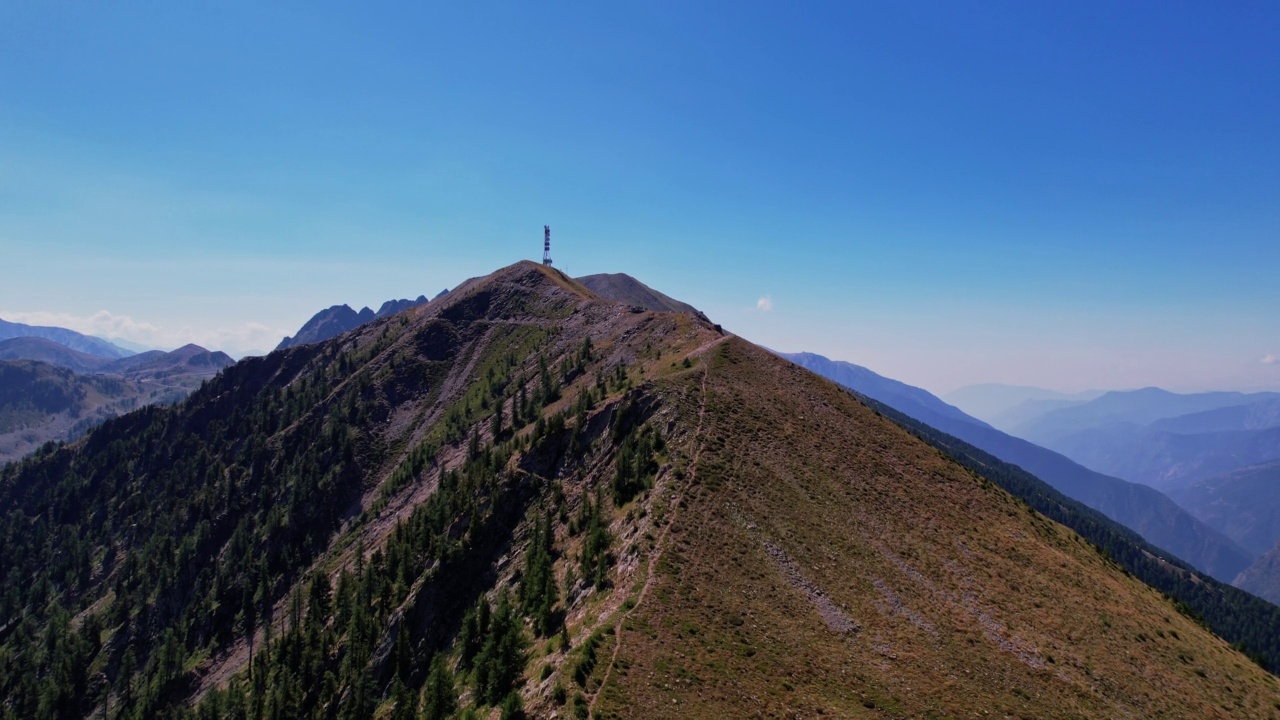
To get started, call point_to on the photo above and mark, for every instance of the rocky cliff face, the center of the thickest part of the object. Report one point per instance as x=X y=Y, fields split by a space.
x=334 y=321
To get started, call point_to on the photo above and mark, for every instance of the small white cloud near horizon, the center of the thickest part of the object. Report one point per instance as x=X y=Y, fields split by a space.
x=765 y=304
x=236 y=340
x=1269 y=359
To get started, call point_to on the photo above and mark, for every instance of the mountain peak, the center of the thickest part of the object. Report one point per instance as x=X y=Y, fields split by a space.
x=624 y=288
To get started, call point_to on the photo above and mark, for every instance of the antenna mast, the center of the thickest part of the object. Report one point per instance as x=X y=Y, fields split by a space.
x=546 y=245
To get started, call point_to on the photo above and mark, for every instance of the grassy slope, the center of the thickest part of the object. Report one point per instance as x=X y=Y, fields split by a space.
x=963 y=599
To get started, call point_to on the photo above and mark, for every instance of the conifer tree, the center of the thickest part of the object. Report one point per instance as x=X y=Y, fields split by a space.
x=439 y=697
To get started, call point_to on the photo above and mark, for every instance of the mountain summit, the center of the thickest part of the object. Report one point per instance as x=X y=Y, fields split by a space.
x=525 y=498
x=624 y=288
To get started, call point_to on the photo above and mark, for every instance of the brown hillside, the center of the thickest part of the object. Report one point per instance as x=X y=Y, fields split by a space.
x=626 y=289
x=826 y=563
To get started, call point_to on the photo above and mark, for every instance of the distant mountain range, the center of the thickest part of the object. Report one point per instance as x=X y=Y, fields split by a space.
x=51 y=392
x=1168 y=461
x=1126 y=409
x=1153 y=515
x=1244 y=504
x=67 y=338
x=48 y=351
x=1217 y=454
x=1001 y=405
x=333 y=321
x=153 y=364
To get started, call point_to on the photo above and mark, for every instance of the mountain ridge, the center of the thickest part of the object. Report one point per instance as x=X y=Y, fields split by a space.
x=624 y=288
x=528 y=498
x=69 y=338
x=51 y=352
x=337 y=319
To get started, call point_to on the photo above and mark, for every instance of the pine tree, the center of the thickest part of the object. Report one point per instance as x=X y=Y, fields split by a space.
x=497 y=421
x=439 y=698
x=538 y=591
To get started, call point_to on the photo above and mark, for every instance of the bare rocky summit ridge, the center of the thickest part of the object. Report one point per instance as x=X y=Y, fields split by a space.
x=335 y=320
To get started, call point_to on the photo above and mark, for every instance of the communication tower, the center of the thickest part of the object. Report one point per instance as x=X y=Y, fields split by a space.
x=546 y=244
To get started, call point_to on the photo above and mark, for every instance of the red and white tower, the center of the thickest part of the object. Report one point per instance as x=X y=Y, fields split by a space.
x=546 y=244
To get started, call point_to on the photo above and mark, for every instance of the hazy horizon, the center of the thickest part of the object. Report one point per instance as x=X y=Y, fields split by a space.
x=1070 y=197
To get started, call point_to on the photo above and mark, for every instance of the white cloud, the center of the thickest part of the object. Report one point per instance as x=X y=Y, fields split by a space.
x=1270 y=359
x=235 y=340
x=765 y=304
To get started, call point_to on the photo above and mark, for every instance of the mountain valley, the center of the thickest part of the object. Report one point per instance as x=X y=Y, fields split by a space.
x=50 y=392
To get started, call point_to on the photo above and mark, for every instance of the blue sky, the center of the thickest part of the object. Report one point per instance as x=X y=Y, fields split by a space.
x=1071 y=195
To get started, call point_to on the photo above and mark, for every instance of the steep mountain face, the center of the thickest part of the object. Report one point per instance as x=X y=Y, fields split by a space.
x=525 y=495
x=102 y=389
x=326 y=324
x=391 y=307
x=626 y=289
x=1153 y=515
x=908 y=579
x=1248 y=620
x=68 y=338
x=334 y=321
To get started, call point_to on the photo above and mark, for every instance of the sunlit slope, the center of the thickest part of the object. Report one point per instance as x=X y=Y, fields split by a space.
x=822 y=560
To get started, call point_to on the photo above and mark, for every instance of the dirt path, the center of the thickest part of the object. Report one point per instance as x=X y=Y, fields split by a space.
x=662 y=538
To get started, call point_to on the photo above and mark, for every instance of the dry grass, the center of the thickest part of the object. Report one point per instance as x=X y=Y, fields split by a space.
x=965 y=602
